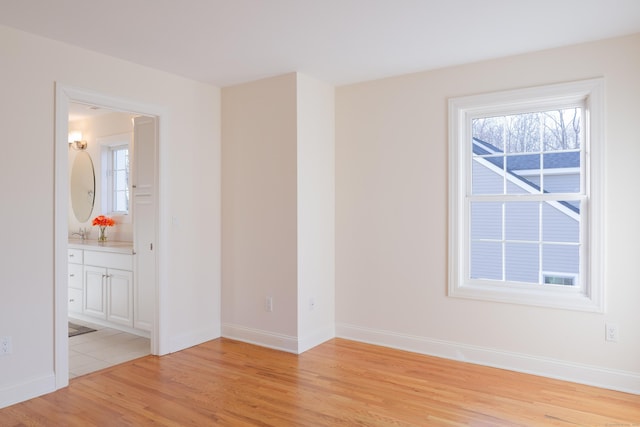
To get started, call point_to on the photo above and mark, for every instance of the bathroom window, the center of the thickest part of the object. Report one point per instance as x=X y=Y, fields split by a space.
x=118 y=178
x=115 y=174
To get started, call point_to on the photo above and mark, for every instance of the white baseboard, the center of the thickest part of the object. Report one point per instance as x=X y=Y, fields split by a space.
x=193 y=338
x=259 y=337
x=315 y=338
x=624 y=381
x=26 y=390
x=281 y=342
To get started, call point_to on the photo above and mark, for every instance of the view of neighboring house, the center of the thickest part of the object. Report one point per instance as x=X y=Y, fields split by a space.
x=530 y=241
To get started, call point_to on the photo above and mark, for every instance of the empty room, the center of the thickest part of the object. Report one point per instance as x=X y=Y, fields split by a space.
x=336 y=212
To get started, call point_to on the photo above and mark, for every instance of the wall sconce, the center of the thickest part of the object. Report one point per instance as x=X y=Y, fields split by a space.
x=75 y=141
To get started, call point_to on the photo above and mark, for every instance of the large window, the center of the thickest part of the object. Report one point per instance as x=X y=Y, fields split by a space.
x=525 y=196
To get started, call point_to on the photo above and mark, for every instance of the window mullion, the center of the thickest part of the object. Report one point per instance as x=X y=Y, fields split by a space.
x=504 y=242
x=540 y=245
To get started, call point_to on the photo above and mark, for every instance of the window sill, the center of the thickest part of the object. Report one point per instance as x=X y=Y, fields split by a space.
x=550 y=296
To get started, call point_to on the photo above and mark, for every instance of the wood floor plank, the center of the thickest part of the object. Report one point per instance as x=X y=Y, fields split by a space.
x=339 y=383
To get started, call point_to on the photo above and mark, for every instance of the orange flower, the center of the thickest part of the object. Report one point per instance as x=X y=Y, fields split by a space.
x=103 y=221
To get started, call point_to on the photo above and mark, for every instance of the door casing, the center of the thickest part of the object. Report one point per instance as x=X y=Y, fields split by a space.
x=64 y=95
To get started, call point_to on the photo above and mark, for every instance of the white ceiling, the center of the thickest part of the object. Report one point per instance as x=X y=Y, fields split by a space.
x=224 y=42
x=78 y=111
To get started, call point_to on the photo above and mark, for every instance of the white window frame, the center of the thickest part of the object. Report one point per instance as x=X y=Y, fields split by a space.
x=589 y=296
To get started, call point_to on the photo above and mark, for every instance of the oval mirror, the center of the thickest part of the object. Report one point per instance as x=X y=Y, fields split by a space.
x=82 y=186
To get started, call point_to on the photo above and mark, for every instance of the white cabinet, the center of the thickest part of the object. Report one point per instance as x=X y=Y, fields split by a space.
x=93 y=303
x=101 y=286
x=75 y=256
x=108 y=287
x=120 y=297
x=75 y=300
x=108 y=294
x=75 y=280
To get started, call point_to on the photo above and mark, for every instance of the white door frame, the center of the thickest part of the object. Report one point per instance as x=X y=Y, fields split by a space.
x=64 y=95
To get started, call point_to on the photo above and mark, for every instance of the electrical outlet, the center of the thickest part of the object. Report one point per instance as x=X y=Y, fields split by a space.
x=268 y=304
x=5 y=345
x=611 y=332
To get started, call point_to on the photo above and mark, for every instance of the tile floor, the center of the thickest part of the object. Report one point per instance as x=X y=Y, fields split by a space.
x=103 y=348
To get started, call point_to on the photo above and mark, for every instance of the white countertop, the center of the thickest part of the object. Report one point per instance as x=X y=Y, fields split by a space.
x=108 y=246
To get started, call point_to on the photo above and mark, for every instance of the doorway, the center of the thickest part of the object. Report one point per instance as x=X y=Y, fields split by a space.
x=114 y=313
x=65 y=97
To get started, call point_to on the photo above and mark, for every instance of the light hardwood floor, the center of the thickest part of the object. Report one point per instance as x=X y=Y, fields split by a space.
x=340 y=382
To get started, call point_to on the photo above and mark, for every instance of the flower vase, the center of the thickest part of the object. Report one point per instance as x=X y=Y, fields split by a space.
x=102 y=234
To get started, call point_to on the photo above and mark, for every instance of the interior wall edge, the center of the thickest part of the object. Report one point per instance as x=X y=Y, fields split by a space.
x=193 y=338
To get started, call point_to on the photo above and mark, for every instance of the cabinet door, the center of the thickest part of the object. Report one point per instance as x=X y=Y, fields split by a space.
x=120 y=297
x=75 y=276
x=93 y=301
x=145 y=219
x=75 y=300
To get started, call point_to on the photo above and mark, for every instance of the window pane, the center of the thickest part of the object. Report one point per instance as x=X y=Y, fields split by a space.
x=121 y=202
x=552 y=130
x=561 y=172
x=562 y=129
x=519 y=162
x=560 y=222
x=561 y=258
x=486 y=220
x=522 y=221
x=485 y=178
x=486 y=260
x=523 y=174
x=523 y=133
x=522 y=262
x=119 y=194
x=120 y=180
x=120 y=158
x=516 y=133
x=533 y=152
x=489 y=131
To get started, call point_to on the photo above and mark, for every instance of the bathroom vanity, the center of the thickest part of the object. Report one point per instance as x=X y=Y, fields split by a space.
x=102 y=288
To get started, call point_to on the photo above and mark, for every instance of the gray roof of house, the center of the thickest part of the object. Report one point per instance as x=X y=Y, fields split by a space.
x=523 y=161
x=518 y=162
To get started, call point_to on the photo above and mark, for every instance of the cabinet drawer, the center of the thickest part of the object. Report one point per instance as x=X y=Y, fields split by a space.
x=75 y=300
x=75 y=276
x=74 y=255
x=109 y=260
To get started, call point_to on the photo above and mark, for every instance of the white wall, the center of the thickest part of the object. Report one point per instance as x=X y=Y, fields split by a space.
x=190 y=193
x=316 y=211
x=391 y=222
x=259 y=211
x=278 y=211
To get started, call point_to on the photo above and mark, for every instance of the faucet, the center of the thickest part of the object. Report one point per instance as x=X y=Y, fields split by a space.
x=82 y=232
